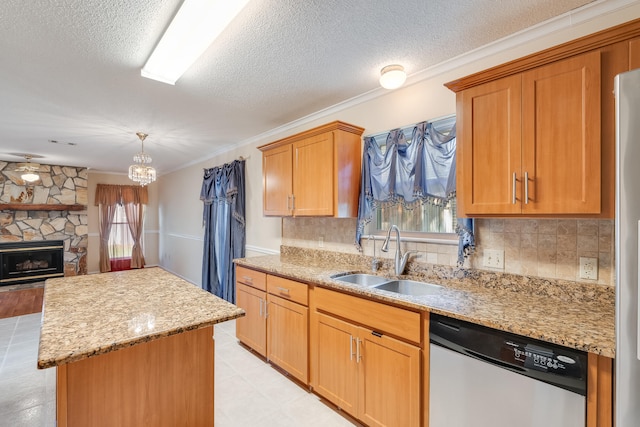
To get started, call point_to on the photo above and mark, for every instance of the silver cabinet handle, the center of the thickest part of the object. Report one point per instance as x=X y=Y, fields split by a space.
x=526 y=188
x=351 y=347
x=293 y=202
x=513 y=190
x=283 y=290
x=247 y=279
x=260 y=307
x=358 y=355
x=288 y=204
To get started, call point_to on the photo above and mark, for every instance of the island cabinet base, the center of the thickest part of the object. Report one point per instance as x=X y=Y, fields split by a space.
x=165 y=382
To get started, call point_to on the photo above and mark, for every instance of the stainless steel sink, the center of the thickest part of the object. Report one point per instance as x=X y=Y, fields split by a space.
x=402 y=286
x=409 y=287
x=362 y=279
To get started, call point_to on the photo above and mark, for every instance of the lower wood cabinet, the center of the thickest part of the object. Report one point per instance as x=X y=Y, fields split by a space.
x=276 y=324
x=368 y=374
x=251 y=329
x=288 y=336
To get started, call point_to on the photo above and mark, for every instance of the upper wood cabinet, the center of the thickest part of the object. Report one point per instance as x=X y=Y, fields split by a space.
x=550 y=115
x=530 y=143
x=314 y=173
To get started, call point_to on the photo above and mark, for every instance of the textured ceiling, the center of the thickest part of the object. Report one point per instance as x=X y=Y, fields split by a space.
x=70 y=69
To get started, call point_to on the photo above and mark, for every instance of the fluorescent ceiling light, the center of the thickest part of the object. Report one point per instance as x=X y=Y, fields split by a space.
x=193 y=29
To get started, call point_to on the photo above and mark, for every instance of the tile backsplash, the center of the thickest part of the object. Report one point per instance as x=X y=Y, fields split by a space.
x=549 y=248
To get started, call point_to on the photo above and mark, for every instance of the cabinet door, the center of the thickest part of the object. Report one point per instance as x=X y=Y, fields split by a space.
x=389 y=381
x=313 y=172
x=277 y=181
x=288 y=336
x=561 y=136
x=252 y=328
x=489 y=144
x=336 y=373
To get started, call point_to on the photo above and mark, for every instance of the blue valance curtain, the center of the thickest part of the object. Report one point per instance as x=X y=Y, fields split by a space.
x=223 y=194
x=411 y=166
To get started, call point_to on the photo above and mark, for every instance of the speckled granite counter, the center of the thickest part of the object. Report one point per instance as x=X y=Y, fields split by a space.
x=89 y=315
x=562 y=312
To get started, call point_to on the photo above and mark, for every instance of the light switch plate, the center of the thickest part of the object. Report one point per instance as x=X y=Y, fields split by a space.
x=588 y=268
x=493 y=258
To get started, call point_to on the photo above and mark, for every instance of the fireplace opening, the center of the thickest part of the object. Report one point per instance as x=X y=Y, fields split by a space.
x=25 y=262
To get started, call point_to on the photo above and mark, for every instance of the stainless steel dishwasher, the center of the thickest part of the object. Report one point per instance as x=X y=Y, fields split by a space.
x=482 y=377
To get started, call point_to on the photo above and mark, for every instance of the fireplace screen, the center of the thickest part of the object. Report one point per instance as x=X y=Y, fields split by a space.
x=32 y=261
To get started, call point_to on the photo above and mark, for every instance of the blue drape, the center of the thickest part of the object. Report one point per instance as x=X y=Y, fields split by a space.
x=411 y=171
x=223 y=194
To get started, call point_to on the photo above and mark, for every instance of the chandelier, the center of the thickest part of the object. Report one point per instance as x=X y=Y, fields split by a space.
x=141 y=171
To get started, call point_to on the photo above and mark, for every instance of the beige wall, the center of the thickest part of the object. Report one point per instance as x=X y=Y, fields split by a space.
x=179 y=205
x=151 y=225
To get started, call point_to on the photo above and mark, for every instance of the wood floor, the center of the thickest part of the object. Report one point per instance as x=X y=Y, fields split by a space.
x=17 y=303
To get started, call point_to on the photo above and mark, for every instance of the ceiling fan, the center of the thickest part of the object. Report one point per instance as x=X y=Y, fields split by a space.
x=29 y=169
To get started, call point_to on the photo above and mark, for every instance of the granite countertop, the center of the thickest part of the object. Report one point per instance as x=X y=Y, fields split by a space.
x=566 y=313
x=93 y=314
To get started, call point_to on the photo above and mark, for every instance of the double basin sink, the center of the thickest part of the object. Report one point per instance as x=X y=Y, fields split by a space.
x=401 y=286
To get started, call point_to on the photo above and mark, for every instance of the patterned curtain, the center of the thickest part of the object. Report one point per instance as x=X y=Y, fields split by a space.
x=417 y=165
x=223 y=194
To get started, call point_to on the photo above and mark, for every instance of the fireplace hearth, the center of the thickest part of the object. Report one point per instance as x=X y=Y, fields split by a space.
x=32 y=261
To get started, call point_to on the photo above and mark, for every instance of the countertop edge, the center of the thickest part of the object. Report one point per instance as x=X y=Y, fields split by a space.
x=50 y=363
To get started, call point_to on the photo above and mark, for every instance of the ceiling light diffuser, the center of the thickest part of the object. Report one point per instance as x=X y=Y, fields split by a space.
x=392 y=76
x=30 y=177
x=193 y=29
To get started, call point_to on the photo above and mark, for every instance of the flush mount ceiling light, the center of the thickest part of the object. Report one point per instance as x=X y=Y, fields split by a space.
x=392 y=76
x=193 y=29
x=29 y=169
x=141 y=172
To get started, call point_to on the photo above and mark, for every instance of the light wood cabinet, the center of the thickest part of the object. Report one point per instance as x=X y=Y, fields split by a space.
x=313 y=173
x=276 y=324
x=530 y=143
x=288 y=326
x=554 y=84
x=251 y=329
x=372 y=376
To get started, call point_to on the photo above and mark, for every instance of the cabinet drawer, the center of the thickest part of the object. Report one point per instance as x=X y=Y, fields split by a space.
x=256 y=279
x=287 y=289
x=378 y=316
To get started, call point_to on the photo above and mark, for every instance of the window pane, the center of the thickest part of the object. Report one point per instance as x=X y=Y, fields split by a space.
x=120 y=238
x=425 y=218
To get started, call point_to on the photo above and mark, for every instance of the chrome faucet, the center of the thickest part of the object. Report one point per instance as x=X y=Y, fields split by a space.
x=400 y=259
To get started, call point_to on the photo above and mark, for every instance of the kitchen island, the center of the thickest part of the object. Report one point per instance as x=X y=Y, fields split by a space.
x=131 y=348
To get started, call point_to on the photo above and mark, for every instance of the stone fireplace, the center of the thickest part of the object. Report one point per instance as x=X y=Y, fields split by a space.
x=53 y=208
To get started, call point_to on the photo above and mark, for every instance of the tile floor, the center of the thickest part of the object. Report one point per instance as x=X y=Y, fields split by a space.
x=249 y=392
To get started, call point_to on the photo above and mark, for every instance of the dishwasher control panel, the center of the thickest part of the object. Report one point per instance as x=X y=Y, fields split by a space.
x=551 y=363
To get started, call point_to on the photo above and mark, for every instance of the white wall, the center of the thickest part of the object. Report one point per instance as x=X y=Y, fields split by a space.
x=179 y=205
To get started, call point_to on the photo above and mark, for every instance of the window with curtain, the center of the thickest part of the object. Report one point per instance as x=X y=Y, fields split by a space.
x=409 y=179
x=121 y=241
x=419 y=219
x=121 y=217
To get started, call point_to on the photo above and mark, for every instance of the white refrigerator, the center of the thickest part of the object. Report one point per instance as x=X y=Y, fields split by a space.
x=627 y=363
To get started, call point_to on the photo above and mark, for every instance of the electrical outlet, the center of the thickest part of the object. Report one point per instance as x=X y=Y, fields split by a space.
x=321 y=241
x=588 y=268
x=493 y=258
